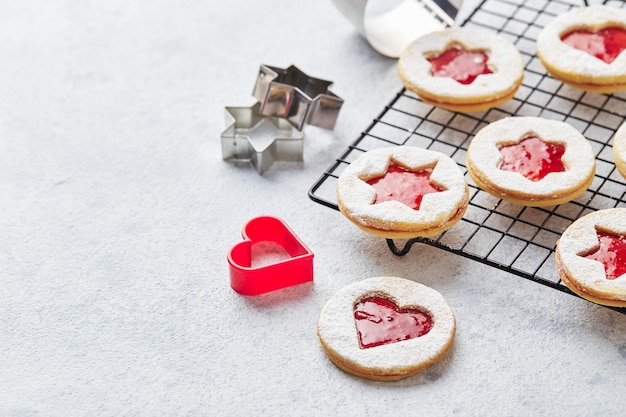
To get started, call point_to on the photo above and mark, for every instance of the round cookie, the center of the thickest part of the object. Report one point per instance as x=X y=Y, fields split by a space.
x=619 y=149
x=379 y=189
x=573 y=49
x=386 y=328
x=587 y=245
x=531 y=161
x=462 y=69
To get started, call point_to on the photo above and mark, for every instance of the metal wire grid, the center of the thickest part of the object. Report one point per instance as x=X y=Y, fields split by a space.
x=513 y=238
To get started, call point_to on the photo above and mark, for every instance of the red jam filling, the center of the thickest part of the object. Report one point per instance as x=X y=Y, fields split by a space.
x=611 y=253
x=460 y=65
x=379 y=321
x=403 y=185
x=605 y=44
x=533 y=158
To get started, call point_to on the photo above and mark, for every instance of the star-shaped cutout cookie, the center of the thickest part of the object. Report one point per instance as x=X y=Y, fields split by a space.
x=260 y=141
x=297 y=97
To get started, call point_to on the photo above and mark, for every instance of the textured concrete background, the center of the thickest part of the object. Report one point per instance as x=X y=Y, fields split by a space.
x=117 y=212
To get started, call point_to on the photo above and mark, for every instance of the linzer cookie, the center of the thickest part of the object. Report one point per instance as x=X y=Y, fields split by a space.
x=386 y=328
x=591 y=257
x=531 y=161
x=462 y=69
x=403 y=192
x=583 y=48
x=619 y=149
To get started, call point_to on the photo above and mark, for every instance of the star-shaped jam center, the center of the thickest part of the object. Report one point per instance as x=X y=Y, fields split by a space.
x=532 y=157
x=611 y=253
x=605 y=44
x=403 y=185
x=459 y=64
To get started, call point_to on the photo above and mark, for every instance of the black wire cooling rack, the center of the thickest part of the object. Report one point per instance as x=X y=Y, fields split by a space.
x=513 y=238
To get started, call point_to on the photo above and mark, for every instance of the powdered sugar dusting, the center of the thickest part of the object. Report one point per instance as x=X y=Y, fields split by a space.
x=338 y=332
x=483 y=157
x=356 y=196
x=580 y=238
x=579 y=66
x=504 y=61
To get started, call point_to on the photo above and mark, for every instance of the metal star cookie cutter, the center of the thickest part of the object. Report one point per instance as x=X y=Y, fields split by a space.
x=297 y=97
x=260 y=141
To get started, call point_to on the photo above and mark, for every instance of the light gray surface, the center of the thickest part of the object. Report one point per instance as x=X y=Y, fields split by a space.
x=117 y=213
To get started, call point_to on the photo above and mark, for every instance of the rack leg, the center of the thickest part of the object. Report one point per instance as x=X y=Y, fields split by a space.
x=400 y=252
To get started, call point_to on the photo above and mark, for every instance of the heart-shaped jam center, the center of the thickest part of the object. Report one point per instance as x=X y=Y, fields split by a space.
x=605 y=44
x=403 y=185
x=532 y=157
x=611 y=253
x=459 y=64
x=379 y=321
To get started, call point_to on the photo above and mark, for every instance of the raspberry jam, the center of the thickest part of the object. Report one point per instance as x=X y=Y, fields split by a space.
x=379 y=321
x=612 y=254
x=532 y=157
x=605 y=44
x=403 y=185
x=460 y=65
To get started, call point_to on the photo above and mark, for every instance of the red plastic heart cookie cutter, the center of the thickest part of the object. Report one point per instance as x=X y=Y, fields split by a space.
x=247 y=279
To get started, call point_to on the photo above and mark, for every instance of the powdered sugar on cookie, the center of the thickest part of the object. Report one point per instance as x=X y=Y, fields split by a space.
x=356 y=196
x=484 y=159
x=504 y=61
x=339 y=337
x=578 y=66
x=579 y=239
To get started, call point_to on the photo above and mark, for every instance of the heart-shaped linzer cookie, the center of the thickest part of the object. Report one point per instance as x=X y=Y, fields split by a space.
x=250 y=279
x=605 y=44
x=379 y=321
